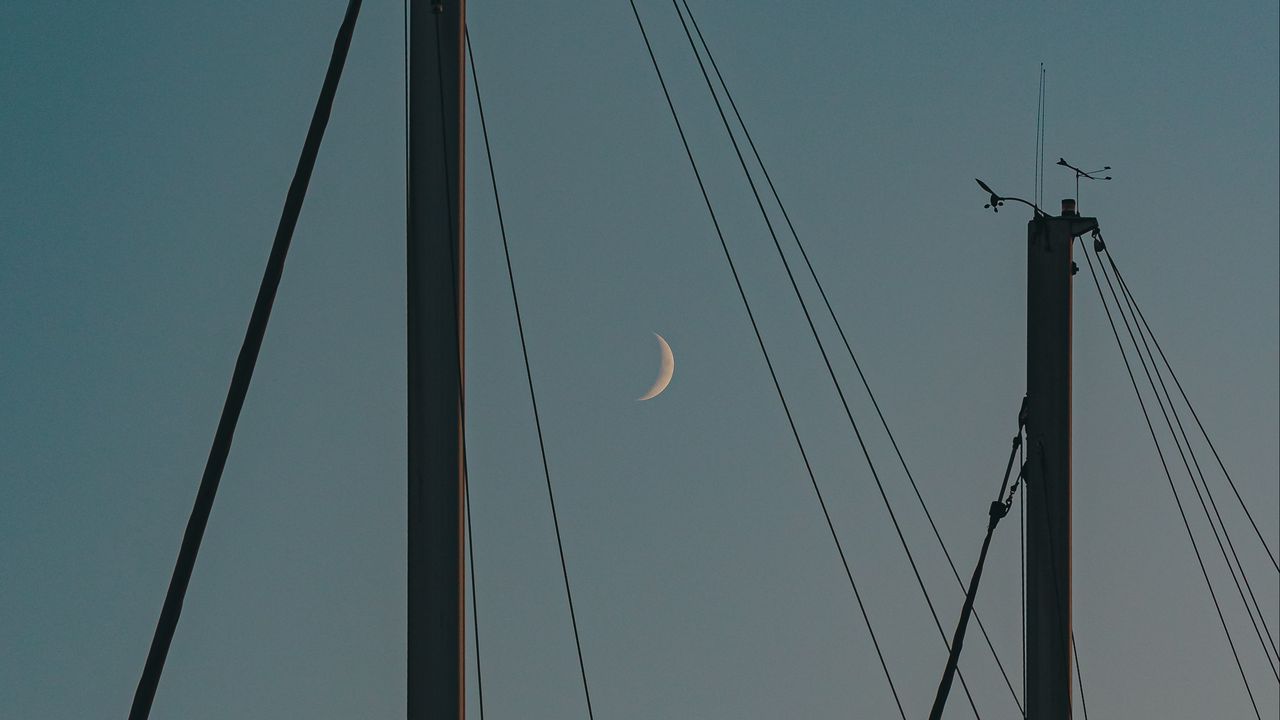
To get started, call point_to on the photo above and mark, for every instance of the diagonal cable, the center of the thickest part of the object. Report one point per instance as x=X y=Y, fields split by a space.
x=471 y=563
x=1144 y=332
x=768 y=362
x=848 y=347
x=1075 y=655
x=1168 y=475
x=1200 y=496
x=1261 y=538
x=817 y=338
x=144 y=696
x=533 y=397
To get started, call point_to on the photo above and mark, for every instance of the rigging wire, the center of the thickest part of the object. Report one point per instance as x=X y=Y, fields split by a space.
x=1178 y=384
x=1144 y=331
x=1190 y=475
x=247 y=359
x=848 y=347
x=942 y=633
x=1169 y=476
x=533 y=398
x=471 y=562
x=768 y=361
x=1075 y=655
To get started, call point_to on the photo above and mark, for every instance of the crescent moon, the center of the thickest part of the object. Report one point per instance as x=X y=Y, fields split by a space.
x=665 y=370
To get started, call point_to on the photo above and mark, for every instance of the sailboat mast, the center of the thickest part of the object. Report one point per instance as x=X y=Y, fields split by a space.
x=1048 y=469
x=436 y=642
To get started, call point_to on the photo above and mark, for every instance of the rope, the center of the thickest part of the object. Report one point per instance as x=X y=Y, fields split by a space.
x=768 y=361
x=1168 y=476
x=999 y=508
x=533 y=398
x=831 y=312
x=144 y=696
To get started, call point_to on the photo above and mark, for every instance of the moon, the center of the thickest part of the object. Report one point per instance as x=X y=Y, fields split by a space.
x=666 y=369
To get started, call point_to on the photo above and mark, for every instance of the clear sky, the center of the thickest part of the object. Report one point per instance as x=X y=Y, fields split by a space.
x=147 y=147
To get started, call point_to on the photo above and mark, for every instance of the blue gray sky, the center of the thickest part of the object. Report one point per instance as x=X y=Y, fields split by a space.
x=147 y=147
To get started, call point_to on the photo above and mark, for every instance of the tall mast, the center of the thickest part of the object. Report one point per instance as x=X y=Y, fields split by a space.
x=435 y=360
x=1048 y=468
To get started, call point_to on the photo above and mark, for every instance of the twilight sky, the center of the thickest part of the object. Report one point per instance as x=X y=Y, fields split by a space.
x=147 y=147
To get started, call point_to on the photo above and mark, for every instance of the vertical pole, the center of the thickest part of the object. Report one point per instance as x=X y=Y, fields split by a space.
x=435 y=360
x=1048 y=470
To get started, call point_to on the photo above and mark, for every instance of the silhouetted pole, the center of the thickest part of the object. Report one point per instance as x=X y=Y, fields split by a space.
x=1048 y=469
x=435 y=347
x=246 y=361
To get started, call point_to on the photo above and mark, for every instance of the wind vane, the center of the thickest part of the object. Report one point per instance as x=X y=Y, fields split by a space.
x=997 y=200
x=1087 y=175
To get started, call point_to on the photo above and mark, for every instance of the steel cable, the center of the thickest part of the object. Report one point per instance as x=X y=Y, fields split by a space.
x=1169 y=476
x=1268 y=646
x=1174 y=376
x=840 y=329
x=942 y=633
x=533 y=398
x=768 y=361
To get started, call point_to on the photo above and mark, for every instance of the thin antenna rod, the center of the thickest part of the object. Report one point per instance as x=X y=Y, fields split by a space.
x=1038 y=160
x=1043 y=118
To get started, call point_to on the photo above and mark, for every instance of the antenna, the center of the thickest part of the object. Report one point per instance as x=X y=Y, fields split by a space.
x=1037 y=190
